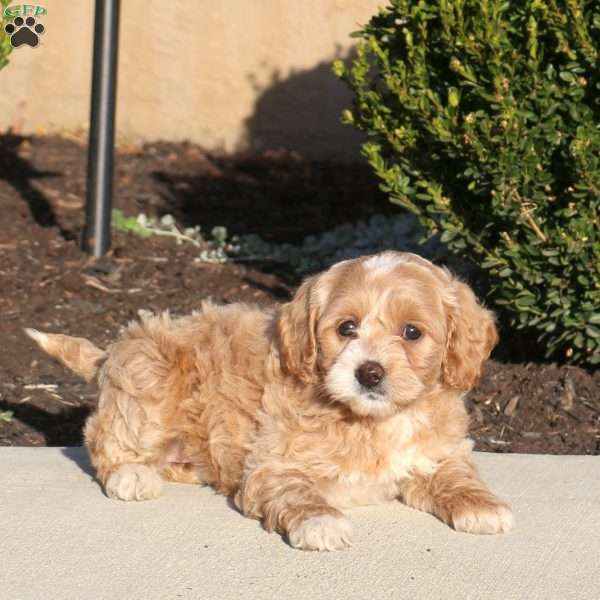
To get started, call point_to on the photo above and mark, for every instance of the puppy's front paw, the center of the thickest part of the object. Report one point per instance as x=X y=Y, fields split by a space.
x=134 y=482
x=483 y=516
x=323 y=532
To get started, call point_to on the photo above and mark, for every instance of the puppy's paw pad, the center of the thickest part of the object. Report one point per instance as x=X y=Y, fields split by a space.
x=488 y=518
x=134 y=482
x=324 y=532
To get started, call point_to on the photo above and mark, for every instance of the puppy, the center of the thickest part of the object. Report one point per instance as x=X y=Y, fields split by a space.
x=350 y=394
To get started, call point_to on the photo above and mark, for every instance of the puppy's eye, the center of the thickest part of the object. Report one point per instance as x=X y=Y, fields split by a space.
x=410 y=332
x=348 y=329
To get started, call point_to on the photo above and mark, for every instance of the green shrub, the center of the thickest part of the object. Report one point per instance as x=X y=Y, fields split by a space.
x=483 y=119
x=5 y=46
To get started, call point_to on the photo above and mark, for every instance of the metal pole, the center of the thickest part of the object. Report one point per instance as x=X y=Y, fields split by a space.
x=96 y=234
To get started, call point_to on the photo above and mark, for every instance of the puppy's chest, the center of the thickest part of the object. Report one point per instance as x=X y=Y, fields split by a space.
x=372 y=475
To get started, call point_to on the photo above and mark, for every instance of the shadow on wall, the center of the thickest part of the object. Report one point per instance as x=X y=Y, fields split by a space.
x=21 y=174
x=298 y=170
x=301 y=112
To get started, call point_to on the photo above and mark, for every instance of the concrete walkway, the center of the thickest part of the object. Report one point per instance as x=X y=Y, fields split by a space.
x=61 y=538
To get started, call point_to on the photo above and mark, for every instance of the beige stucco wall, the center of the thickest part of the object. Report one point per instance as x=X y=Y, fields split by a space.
x=229 y=74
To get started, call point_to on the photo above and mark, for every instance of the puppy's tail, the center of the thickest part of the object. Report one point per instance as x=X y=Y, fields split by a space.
x=76 y=353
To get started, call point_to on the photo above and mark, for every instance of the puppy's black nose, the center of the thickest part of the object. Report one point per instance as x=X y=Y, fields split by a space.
x=369 y=374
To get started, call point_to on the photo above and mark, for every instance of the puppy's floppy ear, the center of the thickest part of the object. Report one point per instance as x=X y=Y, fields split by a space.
x=296 y=328
x=471 y=336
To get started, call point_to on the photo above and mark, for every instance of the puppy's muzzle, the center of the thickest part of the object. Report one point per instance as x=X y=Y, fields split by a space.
x=369 y=374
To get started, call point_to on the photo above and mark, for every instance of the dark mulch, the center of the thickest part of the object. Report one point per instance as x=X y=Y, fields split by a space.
x=49 y=284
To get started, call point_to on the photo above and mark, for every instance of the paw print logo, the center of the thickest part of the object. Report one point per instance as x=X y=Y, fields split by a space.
x=24 y=32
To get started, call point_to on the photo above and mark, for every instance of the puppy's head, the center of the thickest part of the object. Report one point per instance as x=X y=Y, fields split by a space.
x=378 y=332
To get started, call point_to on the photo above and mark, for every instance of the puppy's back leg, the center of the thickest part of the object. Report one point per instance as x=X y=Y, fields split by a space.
x=134 y=481
x=124 y=446
x=142 y=382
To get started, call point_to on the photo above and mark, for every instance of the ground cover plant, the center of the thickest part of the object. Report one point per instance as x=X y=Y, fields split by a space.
x=316 y=252
x=482 y=118
x=216 y=248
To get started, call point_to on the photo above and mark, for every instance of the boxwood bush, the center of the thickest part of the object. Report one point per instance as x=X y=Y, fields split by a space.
x=482 y=118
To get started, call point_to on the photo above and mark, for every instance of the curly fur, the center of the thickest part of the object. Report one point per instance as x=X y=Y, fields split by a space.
x=265 y=405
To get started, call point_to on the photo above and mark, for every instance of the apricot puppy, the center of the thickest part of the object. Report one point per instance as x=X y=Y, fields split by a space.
x=349 y=394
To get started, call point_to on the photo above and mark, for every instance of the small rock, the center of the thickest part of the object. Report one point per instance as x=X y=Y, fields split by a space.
x=568 y=395
x=511 y=406
x=477 y=414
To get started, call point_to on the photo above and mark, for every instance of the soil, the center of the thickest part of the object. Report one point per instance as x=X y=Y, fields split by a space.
x=48 y=283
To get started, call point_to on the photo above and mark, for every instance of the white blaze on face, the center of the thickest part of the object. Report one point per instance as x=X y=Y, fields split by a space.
x=341 y=380
x=384 y=262
x=343 y=386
